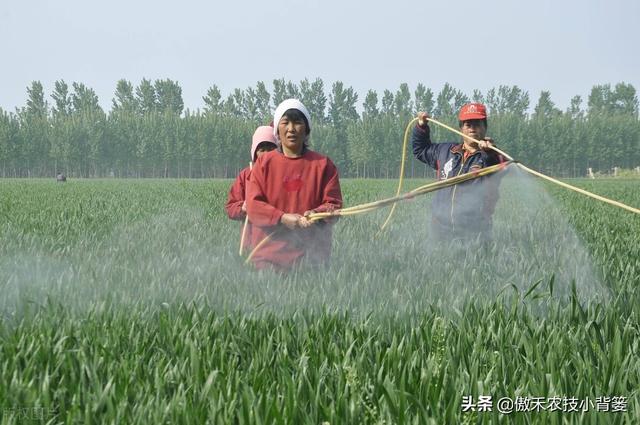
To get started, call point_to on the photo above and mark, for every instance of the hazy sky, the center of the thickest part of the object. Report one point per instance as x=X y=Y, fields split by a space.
x=565 y=47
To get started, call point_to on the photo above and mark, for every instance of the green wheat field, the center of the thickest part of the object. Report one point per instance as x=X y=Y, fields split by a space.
x=125 y=301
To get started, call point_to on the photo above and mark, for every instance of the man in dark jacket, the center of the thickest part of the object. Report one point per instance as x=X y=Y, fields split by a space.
x=462 y=211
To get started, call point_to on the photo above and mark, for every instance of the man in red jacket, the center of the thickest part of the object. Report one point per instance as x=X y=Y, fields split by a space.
x=287 y=185
x=263 y=141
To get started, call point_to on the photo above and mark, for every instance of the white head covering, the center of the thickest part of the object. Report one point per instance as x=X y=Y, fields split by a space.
x=284 y=107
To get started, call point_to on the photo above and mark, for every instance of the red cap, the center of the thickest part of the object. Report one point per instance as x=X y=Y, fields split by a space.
x=472 y=111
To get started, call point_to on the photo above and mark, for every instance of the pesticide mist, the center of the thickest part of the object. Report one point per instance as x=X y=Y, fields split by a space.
x=535 y=257
x=162 y=243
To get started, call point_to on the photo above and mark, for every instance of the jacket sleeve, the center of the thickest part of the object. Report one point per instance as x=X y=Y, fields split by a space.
x=236 y=199
x=260 y=212
x=423 y=149
x=331 y=193
x=493 y=158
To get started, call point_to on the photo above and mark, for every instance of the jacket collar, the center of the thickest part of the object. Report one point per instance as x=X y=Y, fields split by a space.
x=457 y=148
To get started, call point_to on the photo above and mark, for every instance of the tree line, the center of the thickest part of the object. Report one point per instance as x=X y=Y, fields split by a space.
x=149 y=133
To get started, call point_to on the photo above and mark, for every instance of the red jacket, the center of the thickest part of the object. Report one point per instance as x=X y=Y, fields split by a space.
x=237 y=195
x=279 y=185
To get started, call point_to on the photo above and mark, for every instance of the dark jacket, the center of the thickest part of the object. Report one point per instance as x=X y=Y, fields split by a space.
x=462 y=210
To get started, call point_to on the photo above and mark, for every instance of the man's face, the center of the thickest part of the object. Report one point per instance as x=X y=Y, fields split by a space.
x=292 y=134
x=473 y=128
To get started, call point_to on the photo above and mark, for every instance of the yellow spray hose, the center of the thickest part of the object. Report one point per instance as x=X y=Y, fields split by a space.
x=259 y=245
x=427 y=188
x=584 y=192
x=401 y=179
